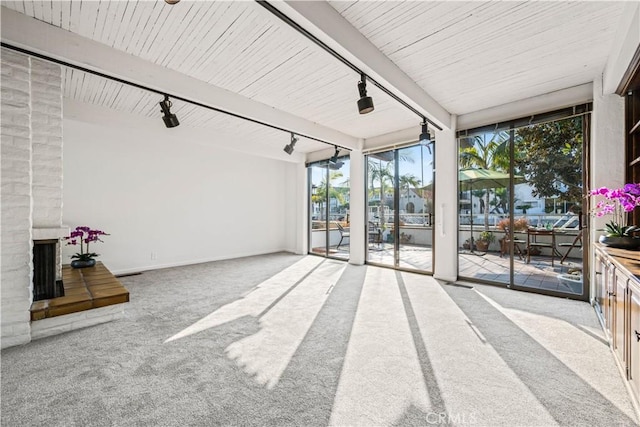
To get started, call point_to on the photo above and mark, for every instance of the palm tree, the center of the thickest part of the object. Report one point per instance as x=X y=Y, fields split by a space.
x=320 y=195
x=407 y=182
x=381 y=173
x=492 y=154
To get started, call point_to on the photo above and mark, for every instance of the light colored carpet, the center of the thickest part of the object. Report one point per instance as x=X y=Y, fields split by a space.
x=289 y=340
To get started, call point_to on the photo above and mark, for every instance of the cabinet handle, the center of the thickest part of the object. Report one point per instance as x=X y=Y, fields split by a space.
x=611 y=294
x=637 y=335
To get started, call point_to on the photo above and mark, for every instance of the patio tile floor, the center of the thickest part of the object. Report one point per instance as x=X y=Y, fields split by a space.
x=490 y=266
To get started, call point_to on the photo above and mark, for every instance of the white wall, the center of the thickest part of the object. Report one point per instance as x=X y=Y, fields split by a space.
x=169 y=200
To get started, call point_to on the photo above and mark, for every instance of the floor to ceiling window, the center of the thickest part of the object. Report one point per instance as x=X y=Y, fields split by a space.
x=329 y=231
x=521 y=203
x=400 y=208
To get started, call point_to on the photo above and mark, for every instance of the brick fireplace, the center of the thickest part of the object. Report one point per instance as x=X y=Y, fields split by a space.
x=31 y=160
x=39 y=297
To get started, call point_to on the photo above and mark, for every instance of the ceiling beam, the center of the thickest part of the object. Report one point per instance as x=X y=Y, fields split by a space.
x=28 y=33
x=324 y=22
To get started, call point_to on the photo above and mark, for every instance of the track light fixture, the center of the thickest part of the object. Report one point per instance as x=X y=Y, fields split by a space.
x=289 y=147
x=365 y=103
x=334 y=163
x=170 y=120
x=425 y=137
x=334 y=158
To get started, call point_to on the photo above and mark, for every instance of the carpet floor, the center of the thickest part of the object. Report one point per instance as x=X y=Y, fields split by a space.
x=287 y=340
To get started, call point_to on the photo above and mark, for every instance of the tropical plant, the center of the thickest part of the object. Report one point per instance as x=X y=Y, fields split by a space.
x=320 y=195
x=380 y=172
x=486 y=236
x=492 y=154
x=500 y=200
x=618 y=202
x=407 y=182
x=549 y=155
x=83 y=236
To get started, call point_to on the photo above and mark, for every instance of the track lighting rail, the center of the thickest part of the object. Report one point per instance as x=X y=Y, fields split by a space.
x=157 y=91
x=341 y=58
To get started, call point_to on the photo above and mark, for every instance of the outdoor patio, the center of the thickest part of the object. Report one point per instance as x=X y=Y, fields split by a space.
x=489 y=266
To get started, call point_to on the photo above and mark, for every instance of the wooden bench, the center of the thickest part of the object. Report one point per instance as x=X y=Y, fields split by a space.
x=84 y=289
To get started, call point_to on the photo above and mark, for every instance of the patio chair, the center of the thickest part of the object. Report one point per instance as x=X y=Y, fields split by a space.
x=343 y=234
x=504 y=247
x=375 y=234
x=577 y=242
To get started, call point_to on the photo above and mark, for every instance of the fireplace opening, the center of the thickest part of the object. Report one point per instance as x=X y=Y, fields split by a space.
x=45 y=285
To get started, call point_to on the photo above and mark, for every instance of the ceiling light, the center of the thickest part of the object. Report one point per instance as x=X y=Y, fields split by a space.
x=170 y=120
x=365 y=103
x=289 y=147
x=425 y=138
x=334 y=159
x=171 y=1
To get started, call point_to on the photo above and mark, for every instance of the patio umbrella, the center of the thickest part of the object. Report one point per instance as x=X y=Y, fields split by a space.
x=480 y=179
x=483 y=179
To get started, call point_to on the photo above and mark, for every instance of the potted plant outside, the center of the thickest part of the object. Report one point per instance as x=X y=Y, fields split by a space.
x=484 y=240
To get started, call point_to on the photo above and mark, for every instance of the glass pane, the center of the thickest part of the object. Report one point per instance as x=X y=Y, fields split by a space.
x=339 y=209
x=537 y=242
x=549 y=158
x=483 y=205
x=415 y=183
x=380 y=214
x=318 y=210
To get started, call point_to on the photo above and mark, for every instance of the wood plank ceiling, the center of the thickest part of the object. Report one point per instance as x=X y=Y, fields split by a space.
x=474 y=55
x=467 y=55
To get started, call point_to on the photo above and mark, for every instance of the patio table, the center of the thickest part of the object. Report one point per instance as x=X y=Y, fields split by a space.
x=533 y=235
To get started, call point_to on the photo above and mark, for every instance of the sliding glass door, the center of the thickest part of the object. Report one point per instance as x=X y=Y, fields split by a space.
x=329 y=231
x=521 y=213
x=400 y=208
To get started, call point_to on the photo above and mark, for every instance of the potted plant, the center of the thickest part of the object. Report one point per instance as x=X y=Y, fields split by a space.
x=484 y=240
x=83 y=236
x=519 y=224
x=469 y=244
x=618 y=203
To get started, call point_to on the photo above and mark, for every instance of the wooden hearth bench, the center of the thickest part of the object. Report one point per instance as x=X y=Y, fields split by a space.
x=84 y=289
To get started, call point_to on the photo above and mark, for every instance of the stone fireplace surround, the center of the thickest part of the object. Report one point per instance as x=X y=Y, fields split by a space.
x=31 y=195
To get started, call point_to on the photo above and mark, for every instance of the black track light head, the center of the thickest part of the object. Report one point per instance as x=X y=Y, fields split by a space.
x=365 y=103
x=170 y=120
x=289 y=147
x=425 y=137
x=334 y=159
